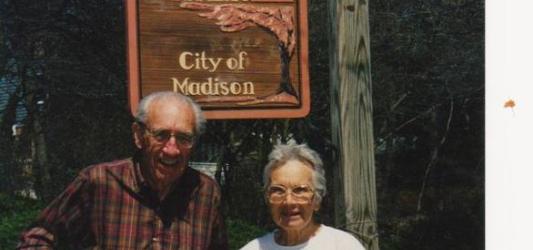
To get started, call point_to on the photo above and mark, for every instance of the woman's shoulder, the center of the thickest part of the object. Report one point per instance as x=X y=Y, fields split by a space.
x=260 y=242
x=343 y=239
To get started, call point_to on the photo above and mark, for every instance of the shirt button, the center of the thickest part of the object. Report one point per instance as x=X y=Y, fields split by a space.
x=155 y=239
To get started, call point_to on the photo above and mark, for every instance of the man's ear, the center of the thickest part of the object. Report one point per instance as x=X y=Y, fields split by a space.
x=138 y=133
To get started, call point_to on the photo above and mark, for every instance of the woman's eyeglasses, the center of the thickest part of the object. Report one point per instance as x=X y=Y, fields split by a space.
x=183 y=140
x=277 y=194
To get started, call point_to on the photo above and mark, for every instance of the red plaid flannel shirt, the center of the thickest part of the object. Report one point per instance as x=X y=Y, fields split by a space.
x=110 y=206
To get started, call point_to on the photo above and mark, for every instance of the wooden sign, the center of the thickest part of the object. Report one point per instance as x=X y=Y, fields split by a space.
x=239 y=59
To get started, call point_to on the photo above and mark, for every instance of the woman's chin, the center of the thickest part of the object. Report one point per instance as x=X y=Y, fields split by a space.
x=292 y=223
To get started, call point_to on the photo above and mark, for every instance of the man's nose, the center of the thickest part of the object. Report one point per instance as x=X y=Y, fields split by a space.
x=171 y=148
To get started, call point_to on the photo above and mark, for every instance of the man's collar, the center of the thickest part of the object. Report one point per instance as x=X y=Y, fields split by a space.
x=177 y=200
x=189 y=179
x=141 y=181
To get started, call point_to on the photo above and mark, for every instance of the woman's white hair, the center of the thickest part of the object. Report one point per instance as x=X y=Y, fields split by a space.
x=144 y=105
x=283 y=153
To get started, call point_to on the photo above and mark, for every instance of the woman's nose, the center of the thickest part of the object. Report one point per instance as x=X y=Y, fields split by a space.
x=289 y=199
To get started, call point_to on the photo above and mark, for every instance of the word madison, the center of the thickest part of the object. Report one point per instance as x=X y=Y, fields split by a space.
x=211 y=85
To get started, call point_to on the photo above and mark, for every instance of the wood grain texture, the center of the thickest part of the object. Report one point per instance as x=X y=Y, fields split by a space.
x=275 y=64
x=352 y=131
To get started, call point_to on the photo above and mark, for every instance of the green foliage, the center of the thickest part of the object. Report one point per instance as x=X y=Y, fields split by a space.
x=428 y=83
x=427 y=58
x=16 y=213
x=241 y=232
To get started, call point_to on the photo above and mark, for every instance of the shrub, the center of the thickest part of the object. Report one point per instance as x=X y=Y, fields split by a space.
x=16 y=213
x=241 y=232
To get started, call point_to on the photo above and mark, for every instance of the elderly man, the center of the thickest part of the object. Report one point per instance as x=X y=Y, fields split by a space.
x=150 y=201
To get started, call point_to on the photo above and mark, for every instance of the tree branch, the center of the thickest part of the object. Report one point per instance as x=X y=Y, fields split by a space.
x=434 y=158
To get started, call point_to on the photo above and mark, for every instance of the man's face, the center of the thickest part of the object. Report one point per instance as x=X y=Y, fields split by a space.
x=165 y=159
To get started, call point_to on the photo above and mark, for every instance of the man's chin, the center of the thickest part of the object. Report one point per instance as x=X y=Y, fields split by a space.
x=163 y=169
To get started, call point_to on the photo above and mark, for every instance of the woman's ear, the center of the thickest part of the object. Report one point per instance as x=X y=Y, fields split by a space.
x=138 y=135
x=316 y=205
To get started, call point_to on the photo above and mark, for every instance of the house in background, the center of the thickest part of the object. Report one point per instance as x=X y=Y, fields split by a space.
x=8 y=99
x=15 y=148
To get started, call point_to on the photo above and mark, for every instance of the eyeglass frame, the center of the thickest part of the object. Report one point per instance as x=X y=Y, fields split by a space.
x=290 y=191
x=177 y=136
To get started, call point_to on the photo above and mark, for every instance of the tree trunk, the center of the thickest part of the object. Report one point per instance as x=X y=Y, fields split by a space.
x=351 y=112
x=285 y=81
x=39 y=155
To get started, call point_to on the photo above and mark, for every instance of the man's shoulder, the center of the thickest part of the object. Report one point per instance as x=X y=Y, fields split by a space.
x=203 y=178
x=116 y=167
x=206 y=182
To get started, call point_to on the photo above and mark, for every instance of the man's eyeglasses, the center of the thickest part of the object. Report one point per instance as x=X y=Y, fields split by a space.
x=301 y=194
x=183 y=140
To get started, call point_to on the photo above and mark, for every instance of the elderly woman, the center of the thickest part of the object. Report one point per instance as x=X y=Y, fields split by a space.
x=294 y=187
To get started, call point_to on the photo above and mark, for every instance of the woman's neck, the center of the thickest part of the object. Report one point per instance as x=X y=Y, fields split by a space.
x=295 y=237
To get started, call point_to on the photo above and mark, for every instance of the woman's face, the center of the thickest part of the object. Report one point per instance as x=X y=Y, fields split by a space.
x=290 y=195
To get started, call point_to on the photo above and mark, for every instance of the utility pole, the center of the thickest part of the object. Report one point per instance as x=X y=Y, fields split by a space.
x=351 y=114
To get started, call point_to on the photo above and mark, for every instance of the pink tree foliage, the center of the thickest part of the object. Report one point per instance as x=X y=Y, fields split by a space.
x=277 y=20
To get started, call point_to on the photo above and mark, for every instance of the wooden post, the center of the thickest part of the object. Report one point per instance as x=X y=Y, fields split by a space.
x=351 y=114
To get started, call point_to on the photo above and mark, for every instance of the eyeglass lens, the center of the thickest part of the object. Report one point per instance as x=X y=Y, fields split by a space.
x=163 y=135
x=277 y=194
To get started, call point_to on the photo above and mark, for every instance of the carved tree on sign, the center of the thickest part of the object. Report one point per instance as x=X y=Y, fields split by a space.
x=276 y=20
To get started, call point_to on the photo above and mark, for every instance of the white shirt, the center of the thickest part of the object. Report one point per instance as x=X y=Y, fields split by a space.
x=326 y=238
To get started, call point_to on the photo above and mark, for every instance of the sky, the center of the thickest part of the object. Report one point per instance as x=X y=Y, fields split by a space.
x=509 y=174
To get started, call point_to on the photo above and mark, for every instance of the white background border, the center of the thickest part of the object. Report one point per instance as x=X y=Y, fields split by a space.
x=509 y=170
